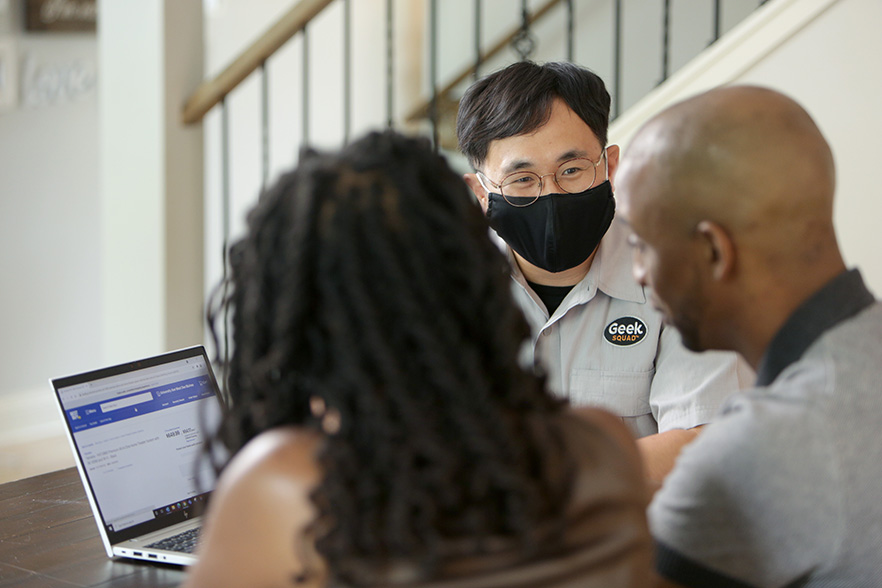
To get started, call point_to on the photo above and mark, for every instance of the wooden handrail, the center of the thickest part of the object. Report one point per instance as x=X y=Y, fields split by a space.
x=422 y=111
x=211 y=92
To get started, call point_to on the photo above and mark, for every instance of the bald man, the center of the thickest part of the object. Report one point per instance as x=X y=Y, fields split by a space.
x=729 y=197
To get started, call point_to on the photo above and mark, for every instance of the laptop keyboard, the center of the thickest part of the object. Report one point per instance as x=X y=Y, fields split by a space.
x=182 y=542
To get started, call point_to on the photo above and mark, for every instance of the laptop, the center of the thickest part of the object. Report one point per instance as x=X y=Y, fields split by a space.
x=137 y=433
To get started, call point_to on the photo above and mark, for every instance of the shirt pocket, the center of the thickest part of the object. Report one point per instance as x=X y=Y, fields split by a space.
x=625 y=394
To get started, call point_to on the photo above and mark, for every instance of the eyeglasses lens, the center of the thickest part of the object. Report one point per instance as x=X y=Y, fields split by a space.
x=524 y=188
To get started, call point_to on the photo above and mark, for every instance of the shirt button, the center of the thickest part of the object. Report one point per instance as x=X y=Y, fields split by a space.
x=547 y=331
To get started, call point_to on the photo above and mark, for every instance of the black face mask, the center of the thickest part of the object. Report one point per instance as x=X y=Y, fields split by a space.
x=558 y=231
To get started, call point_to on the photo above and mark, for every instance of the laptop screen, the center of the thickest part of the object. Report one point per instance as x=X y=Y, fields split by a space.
x=139 y=429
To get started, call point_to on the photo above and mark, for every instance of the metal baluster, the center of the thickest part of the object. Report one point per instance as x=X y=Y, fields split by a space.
x=666 y=40
x=476 y=73
x=570 y=18
x=264 y=104
x=225 y=238
x=523 y=42
x=304 y=139
x=390 y=71
x=433 y=70
x=617 y=58
x=347 y=66
x=717 y=18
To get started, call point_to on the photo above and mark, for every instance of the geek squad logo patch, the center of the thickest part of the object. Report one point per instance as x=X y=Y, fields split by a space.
x=625 y=331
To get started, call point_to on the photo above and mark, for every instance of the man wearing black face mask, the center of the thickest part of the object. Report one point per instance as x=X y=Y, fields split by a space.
x=536 y=137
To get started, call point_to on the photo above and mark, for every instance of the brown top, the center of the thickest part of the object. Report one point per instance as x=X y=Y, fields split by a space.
x=606 y=541
x=263 y=497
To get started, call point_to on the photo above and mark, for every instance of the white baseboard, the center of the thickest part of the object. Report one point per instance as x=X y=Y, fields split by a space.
x=32 y=438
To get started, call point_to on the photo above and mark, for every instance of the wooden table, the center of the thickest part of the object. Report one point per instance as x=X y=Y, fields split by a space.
x=48 y=539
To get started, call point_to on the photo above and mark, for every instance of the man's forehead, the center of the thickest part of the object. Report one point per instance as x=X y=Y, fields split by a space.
x=522 y=152
x=563 y=136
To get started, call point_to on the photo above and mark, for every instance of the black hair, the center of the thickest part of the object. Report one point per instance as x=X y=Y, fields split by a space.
x=367 y=282
x=517 y=100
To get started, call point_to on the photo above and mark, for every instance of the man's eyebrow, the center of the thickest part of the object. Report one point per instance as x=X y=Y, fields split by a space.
x=572 y=154
x=519 y=164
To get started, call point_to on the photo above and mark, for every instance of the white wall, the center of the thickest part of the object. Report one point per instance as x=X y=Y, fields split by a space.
x=834 y=69
x=102 y=231
x=826 y=54
x=50 y=299
x=50 y=243
x=151 y=177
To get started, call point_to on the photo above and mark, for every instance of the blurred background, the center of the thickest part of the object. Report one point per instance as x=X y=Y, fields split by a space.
x=135 y=134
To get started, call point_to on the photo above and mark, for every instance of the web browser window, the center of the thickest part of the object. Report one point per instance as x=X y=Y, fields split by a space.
x=140 y=435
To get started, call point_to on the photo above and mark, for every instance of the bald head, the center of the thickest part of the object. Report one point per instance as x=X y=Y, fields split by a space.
x=737 y=184
x=748 y=158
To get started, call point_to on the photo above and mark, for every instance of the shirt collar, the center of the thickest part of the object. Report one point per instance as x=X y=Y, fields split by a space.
x=610 y=271
x=843 y=297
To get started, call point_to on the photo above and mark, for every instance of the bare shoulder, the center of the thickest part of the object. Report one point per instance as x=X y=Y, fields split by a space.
x=285 y=455
x=255 y=532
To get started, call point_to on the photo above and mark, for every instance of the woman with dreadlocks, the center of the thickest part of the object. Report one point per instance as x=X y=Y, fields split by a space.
x=383 y=431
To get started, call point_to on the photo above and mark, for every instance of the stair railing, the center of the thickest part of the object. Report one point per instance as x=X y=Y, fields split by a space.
x=440 y=106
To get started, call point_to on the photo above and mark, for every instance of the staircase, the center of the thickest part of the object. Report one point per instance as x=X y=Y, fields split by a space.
x=325 y=71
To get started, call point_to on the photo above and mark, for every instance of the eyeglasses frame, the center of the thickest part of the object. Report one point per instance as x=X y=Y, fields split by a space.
x=483 y=178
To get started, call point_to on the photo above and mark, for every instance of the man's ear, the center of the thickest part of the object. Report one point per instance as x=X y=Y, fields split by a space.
x=612 y=162
x=478 y=189
x=719 y=249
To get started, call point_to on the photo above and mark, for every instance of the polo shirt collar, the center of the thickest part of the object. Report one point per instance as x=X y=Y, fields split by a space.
x=610 y=272
x=611 y=269
x=843 y=297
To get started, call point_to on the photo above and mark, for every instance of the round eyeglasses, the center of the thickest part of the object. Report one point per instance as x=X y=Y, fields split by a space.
x=522 y=188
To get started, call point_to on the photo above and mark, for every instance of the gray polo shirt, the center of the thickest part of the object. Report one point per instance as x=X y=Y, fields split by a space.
x=783 y=488
x=606 y=346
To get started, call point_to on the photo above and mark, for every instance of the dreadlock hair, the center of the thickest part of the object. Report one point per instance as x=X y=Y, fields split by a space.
x=367 y=281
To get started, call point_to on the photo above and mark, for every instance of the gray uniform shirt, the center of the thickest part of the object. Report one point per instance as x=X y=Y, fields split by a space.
x=783 y=489
x=606 y=346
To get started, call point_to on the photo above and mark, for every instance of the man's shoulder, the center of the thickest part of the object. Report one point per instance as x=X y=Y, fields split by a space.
x=859 y=333
x=764 y=482
x=759 y=436
x=757 y=424
x=844 y=358
x=753 y=481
